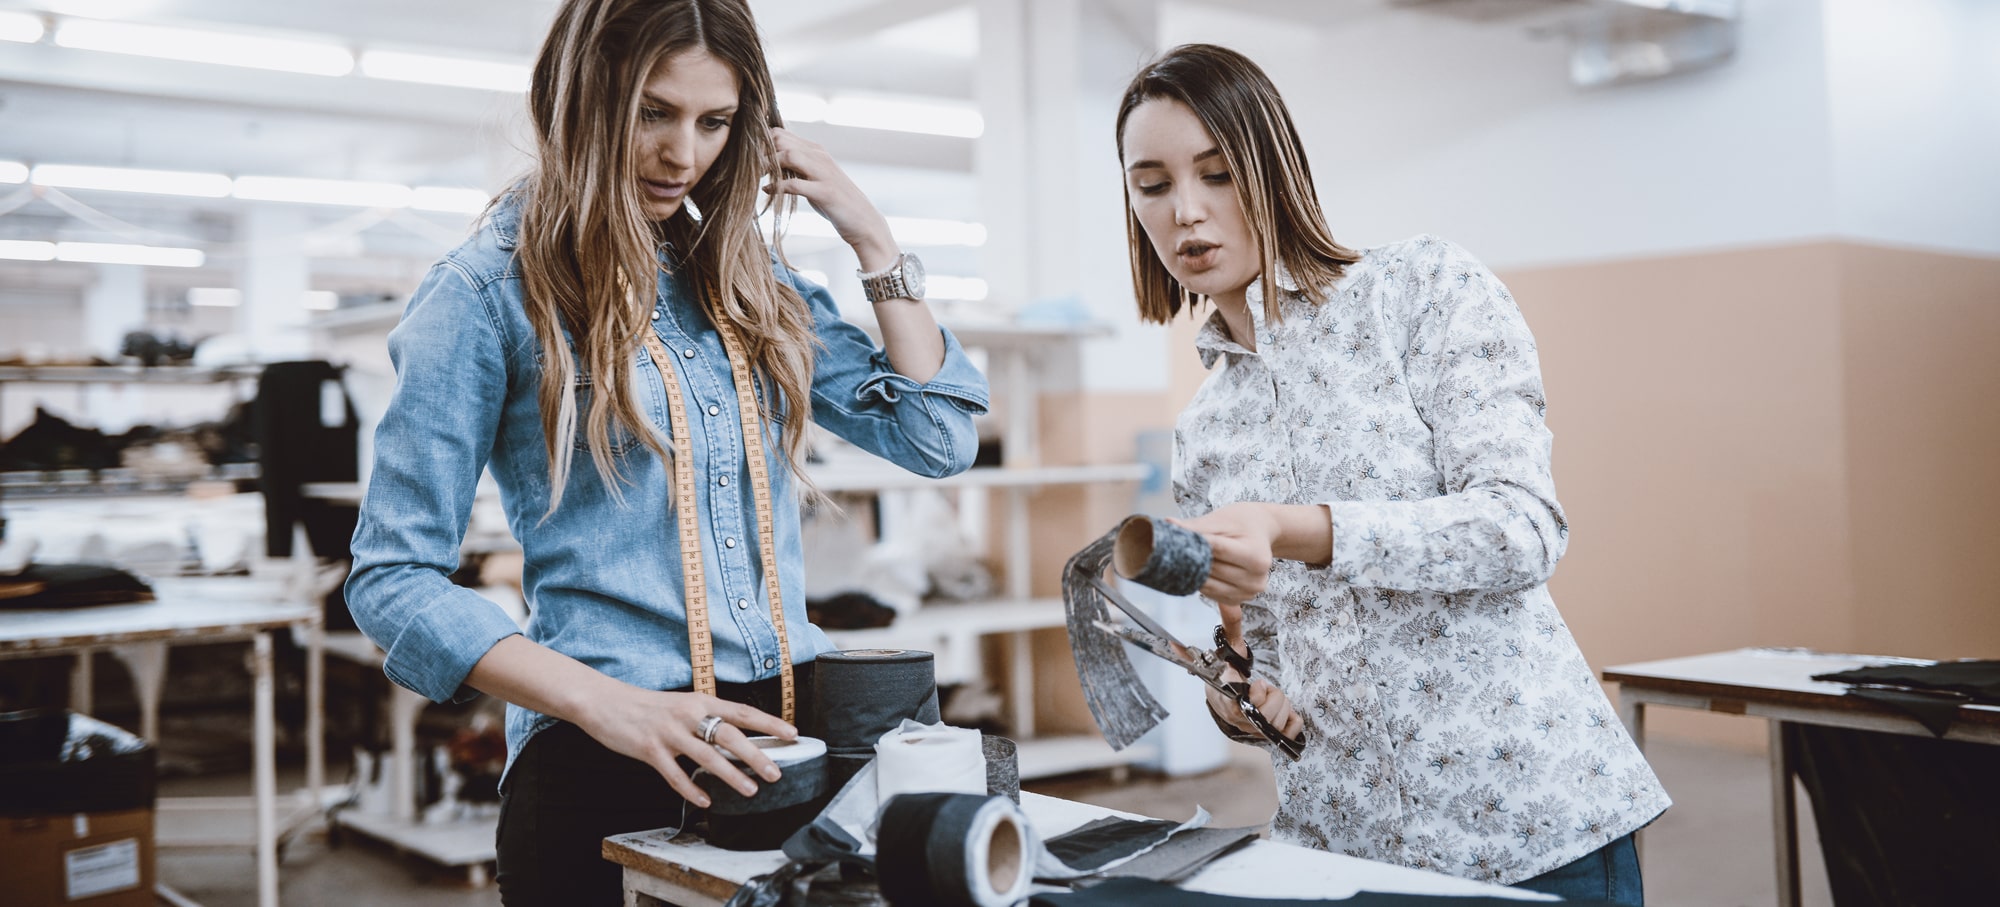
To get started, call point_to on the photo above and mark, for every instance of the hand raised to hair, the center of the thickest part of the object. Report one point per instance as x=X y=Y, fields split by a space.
x=813 y=174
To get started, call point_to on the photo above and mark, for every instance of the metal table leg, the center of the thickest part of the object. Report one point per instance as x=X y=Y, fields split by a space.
x=1784 y=818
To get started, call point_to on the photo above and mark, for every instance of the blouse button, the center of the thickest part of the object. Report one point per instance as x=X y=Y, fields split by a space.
x=687 y=353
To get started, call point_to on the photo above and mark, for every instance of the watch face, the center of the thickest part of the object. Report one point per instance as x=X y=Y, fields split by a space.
x=913 y=275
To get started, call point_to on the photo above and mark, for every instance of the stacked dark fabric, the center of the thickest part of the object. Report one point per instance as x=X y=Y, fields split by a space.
x=296 y=446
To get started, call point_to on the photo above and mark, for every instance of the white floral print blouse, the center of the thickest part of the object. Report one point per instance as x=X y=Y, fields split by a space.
x=1454 y=724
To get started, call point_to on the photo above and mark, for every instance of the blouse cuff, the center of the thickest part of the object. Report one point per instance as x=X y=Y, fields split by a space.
x=957 y=380
x=1359 y=529
x=437 y=649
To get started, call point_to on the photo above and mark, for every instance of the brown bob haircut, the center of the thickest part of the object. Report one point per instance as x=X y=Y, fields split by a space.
x=1243 y=113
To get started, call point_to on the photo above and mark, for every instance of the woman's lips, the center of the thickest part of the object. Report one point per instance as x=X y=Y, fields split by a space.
x=1197 y=255
x=664 y=191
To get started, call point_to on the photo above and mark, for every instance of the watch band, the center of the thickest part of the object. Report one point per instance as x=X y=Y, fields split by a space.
x=888 y=283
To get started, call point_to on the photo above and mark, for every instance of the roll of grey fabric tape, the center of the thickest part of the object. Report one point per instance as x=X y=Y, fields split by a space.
x=954 y=850
x=1003 y=767
x=803 y=763
x=861 y=694
x=1160 y=555
x=764 y=820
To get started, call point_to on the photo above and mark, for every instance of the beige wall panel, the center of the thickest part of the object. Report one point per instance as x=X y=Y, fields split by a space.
x=1922 y=362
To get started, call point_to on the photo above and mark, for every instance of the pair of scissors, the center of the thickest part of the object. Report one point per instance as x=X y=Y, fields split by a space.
x=1206 y=664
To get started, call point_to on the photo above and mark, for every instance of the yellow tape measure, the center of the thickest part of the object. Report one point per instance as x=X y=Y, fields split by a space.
x=701 y=642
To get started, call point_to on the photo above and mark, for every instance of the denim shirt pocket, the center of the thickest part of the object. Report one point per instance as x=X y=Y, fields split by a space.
x=647 y=396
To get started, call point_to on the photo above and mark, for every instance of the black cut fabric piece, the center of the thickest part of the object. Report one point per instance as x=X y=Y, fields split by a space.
x=1929 y=693
x=70 y=586
x=57 y=761
x=1935 y=711
x=1124 y=892
x=295 y=447
x=1902 y=820
x=1184 y=854
x=1097 y=843
x=849 y=611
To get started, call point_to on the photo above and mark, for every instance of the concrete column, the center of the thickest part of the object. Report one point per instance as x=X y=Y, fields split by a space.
x=1000 y=156
x=274 y=278
x=114 y=305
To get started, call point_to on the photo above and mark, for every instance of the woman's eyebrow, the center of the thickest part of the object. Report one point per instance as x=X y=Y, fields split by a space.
x=1156 y=165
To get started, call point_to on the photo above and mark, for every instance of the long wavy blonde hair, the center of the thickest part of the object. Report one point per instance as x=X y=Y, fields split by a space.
x=1242 y=111
x=588 y=254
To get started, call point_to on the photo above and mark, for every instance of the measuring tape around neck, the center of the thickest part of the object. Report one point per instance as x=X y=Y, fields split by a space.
x=701 y=643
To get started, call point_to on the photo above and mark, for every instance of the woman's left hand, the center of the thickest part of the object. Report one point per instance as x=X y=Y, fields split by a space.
x=1241 y=536
x=813 y=174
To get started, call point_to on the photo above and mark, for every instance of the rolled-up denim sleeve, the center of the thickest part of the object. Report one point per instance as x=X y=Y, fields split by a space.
x=432 y=443
x=856 y=394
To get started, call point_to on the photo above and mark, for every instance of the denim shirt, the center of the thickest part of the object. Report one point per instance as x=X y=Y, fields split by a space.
x=604 y=580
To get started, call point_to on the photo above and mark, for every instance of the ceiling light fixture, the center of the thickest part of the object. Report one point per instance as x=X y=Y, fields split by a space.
x=940 y=286
x=938 y=117
x=316 y=58
x=320 y=300
x=108 y=253
x=13 y=172
x=215 y=297
x=27 y=250
x=915 y=231
x=124 y=179
x=356 y=193
x=22 y=27
x=801 y=106
x=449 y=199
x=458 y=72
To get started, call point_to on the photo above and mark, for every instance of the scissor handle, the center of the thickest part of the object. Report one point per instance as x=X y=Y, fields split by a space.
x=1293 y=746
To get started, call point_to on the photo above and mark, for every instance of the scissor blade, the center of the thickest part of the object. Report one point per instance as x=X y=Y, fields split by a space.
x=1138 y=616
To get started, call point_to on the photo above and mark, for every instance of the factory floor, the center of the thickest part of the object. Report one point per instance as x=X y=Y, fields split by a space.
x=1713 y=849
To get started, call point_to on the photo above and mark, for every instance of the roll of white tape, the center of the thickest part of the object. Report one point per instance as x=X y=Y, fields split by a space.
x=936 y=759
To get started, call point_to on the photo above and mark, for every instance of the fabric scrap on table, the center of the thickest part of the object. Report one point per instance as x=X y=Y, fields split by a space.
x=1930 y=693
x=1143 y=893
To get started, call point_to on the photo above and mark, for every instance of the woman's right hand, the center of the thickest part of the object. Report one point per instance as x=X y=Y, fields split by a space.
x=656 y=728
x=1272 y=702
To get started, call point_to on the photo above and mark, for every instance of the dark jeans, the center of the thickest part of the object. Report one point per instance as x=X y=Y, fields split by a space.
x=1610 y=874
x=566 y=793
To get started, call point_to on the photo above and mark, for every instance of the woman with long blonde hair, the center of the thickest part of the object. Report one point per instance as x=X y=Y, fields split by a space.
x=1369 y=462
x=620 y=348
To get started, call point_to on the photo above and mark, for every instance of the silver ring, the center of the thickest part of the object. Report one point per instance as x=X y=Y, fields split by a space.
x=708 y=728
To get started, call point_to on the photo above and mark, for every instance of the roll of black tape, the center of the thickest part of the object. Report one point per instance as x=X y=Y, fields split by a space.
x=1003 y=767
x=1160 y=555
x=764 y=820
x=861 y=694
x=954 y=850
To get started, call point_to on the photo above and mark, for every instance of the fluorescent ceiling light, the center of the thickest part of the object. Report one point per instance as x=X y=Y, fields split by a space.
x=801 y=106
x=317 y=58
x=27 y=250
x=906 y=115
x=218 y=297
x=449 y=199
x=939 y=286
x=108 y=253
x=13 y=172
x=818 y=277
x=435 y=70
x=322 y=192
x=21 y=27
x=123 y=179
x=320 y=300
x=916 y=231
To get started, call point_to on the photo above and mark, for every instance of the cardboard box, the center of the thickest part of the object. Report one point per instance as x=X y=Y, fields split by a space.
x=101 y=859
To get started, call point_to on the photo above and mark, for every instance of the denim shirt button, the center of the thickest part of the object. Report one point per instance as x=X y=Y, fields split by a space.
x=722 y=481
x=770 y=663
x=687 y=353
x=728 y=543
x=656 y=314
x=742 y=604
x=714 y=410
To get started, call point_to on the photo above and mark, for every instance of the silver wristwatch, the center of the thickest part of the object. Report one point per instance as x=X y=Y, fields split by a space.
x=904 y=279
